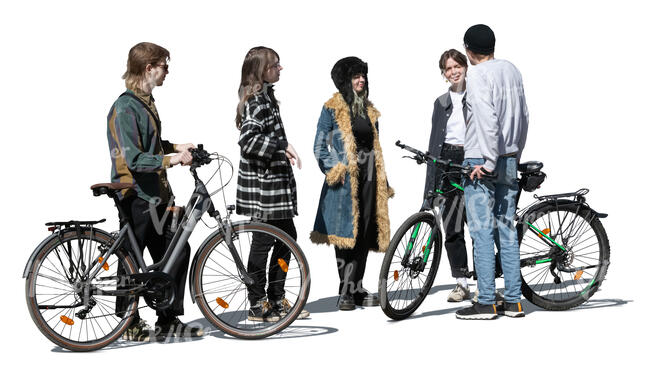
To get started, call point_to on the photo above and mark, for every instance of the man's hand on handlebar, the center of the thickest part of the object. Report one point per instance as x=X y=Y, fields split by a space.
x=184 y=158
x=479 y=171
x=184 y=147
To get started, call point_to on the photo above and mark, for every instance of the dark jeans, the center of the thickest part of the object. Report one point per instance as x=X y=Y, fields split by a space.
x=453 y=215
x=261 y=244
x=156 y=240
x=352 y=266
x=352 y=262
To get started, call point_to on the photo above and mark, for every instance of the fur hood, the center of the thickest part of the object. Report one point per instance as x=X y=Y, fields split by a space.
x=342 y=74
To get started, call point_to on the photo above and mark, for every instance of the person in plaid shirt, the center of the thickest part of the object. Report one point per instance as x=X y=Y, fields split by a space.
x=266 y=188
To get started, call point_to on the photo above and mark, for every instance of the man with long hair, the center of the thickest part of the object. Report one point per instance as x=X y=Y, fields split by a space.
x=138 y=156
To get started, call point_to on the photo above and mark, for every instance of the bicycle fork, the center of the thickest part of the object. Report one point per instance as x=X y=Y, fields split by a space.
x=227 y=230
x=419 y=266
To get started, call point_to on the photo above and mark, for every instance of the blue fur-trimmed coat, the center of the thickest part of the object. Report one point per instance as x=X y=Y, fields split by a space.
x=337 y=217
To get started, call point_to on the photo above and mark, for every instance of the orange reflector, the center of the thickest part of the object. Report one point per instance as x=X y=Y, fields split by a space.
x=105 y=266
x=283 y=265
x=578 y=275
x=67 y=321
x=545 y=231
x=222 y=303
x=396 y=275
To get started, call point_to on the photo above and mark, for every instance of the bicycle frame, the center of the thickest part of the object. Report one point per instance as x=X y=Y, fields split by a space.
x=554 y=246
x=198 y=204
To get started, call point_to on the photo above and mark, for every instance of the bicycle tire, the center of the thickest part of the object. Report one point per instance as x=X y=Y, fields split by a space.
x=574 y=288
x=215 y=257
x=400 y=301
x=49 y=273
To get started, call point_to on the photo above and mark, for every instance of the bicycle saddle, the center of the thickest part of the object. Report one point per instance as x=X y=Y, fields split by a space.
x=530 y=167
x=109 y=188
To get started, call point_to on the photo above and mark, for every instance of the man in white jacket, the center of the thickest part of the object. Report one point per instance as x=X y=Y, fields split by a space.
x=497 y=123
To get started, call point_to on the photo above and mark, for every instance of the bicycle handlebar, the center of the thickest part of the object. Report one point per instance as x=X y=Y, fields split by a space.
x=422 y=157
x=200 y=156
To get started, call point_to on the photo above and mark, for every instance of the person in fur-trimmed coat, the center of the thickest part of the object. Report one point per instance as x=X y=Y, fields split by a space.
x=353 y=207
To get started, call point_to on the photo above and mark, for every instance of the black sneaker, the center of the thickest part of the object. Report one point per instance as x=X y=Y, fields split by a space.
x=512 y=310
x=346 y=302
x=366 y=300
x=139 y=330
x=263 y=311
x=284 y=307
x=477 y=311
x=176 y=328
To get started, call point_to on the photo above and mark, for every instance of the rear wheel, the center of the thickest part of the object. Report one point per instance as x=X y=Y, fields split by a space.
x=555 y=279
x=70 y=311
x=223 y=297
x=410 y=266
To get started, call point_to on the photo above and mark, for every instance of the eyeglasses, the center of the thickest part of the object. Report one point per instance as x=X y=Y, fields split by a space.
x=164 y=66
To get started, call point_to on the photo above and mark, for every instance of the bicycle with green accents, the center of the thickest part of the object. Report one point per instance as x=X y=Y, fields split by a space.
x=563 y=247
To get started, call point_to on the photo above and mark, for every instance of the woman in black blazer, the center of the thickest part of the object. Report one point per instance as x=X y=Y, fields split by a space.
x=446 y=141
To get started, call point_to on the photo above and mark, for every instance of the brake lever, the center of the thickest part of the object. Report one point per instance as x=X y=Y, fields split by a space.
x=416 y=158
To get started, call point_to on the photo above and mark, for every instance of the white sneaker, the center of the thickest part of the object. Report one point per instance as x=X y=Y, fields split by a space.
x=459 y=294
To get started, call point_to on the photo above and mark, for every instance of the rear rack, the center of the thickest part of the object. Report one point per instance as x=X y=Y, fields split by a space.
x=73 y=222
x=577 y=194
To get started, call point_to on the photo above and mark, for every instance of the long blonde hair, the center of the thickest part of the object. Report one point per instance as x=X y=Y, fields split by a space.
x=257 y=61
x=140 y=56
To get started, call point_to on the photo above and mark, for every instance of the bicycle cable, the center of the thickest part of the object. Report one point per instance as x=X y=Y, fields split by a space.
x=222 y=160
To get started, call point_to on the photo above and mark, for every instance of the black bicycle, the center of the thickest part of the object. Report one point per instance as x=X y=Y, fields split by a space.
x=83 y=284
x=563 y=247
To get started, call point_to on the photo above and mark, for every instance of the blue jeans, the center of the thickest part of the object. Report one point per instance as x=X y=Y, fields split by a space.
x=490 y=206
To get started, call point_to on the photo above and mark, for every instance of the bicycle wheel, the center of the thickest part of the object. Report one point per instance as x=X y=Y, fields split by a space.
x=405 y=282
x=582 y=267
x=221 y=293
x=74 y=316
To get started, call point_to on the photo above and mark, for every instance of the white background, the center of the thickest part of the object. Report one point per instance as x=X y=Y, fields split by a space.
x=584 y=71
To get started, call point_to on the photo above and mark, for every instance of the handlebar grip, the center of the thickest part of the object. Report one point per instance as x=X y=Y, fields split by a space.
x=488 y=174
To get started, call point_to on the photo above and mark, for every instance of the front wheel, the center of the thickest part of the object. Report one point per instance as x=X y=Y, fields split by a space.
x=410 y=265
x=564 y=254
x=75 y=313
x=221 y=294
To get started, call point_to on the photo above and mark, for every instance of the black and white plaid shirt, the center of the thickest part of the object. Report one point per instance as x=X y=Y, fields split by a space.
x=266 y=187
